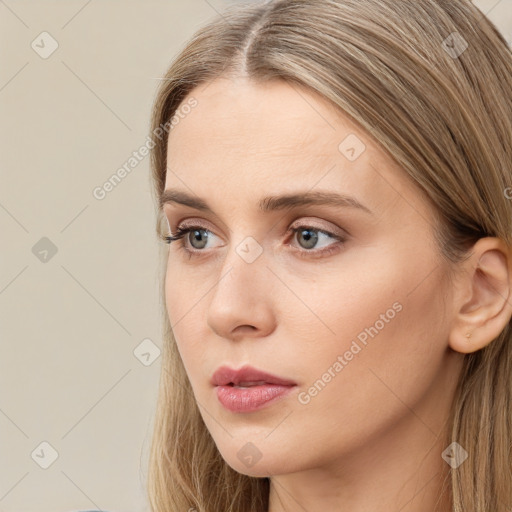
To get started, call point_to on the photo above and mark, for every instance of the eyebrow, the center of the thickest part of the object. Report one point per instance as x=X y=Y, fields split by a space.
x=270 y=203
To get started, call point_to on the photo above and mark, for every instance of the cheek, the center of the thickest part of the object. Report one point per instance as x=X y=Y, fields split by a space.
x=182 y=293
x=183 y=309
x=173 y=290
x=386 y=350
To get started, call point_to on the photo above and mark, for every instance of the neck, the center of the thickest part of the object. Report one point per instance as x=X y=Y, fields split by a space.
x=403 y=471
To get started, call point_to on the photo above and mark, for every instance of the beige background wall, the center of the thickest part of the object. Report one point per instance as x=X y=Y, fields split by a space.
x=78 y=275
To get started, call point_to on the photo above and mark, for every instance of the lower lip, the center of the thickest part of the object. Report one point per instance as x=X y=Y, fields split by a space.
x=251 y=398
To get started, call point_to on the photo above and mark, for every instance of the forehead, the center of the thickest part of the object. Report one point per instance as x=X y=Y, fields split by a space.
x=267 y=120
x=255 y=136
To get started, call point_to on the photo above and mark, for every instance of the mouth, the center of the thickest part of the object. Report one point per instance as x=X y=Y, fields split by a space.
x=247 y=376
x=244 y=399
x=244 y=385
x=248 y=389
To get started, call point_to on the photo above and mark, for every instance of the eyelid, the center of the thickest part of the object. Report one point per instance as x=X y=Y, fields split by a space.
x=192 y=223
x=185 y=217
x=300 y=221
x=337 y=234
x=314 y=224
x=330 y=250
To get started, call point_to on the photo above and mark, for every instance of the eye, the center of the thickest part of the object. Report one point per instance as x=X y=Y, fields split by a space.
x=200 y=236
x=308 y=236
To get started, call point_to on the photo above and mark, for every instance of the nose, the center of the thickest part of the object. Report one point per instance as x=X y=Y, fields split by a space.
x=242 y=299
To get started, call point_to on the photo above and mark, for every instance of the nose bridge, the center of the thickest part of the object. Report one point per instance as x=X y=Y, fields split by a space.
x=244 y=262
x=240 y=296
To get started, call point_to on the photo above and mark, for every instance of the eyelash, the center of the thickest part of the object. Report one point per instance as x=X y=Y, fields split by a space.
x=331 y=249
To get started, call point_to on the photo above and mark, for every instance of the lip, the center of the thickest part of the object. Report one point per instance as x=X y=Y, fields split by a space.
x=267 y=388
x=224 y=375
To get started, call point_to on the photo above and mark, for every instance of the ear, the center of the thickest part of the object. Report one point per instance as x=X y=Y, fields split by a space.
x=483 y=301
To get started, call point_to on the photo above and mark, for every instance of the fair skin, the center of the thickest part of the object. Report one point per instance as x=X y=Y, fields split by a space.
x=372 y=438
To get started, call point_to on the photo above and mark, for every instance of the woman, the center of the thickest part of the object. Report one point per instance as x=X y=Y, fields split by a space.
x=335 y=179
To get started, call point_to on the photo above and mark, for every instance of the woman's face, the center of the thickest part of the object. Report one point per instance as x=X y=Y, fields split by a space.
x=353 y=307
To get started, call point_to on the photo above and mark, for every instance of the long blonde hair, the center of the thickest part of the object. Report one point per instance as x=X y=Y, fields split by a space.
x=443 y=111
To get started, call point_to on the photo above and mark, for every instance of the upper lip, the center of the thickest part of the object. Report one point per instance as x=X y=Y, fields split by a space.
x=225 y=375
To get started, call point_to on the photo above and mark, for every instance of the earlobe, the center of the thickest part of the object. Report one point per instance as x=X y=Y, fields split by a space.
x=483 y=301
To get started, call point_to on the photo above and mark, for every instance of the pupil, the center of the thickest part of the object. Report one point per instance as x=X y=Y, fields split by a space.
x=311 y=238
x=197 y=237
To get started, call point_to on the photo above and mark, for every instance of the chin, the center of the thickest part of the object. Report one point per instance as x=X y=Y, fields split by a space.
x=259 y=470
x=248 y=459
